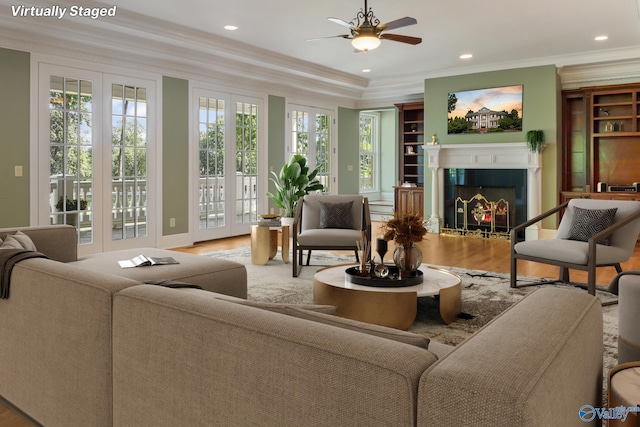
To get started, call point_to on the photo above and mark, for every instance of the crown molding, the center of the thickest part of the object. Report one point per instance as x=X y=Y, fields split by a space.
x=141 y=42
x=606 y=73
x=181 y=54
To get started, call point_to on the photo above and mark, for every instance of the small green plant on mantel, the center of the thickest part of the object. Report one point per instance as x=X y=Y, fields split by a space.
x=293 y=182
x=535 y=140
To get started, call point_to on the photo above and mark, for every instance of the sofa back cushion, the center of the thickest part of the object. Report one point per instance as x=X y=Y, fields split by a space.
x=544 y=352
x=219 y=363
x=55 y=335
x=58 y=242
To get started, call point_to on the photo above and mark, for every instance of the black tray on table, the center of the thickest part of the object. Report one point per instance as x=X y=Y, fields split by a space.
x=353 y=275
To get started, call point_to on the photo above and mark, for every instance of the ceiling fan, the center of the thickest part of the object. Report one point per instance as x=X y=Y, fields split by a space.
x=366 y=31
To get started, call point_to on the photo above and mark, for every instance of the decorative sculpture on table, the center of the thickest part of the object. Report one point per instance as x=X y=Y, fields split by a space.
x=364 y=250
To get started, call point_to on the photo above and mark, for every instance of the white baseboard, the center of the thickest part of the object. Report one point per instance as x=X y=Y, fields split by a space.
x=174 y=241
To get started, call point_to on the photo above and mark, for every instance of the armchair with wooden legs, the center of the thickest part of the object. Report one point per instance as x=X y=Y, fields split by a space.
x=591 y=234
x=329 y=222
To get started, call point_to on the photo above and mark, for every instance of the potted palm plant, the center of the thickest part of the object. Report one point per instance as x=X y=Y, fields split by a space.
x=293 y=182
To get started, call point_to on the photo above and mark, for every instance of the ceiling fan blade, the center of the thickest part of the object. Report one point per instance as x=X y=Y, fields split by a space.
x=401 y=38
x=402 y=22
x=341 y=22
x=342 y=36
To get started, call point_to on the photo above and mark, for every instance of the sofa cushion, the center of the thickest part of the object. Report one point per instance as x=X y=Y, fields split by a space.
x=329 y=237
x=19 y=240
x=336 y=215
x=210 y=273
x=573 y=251
x=365 y=328
x=589 y=222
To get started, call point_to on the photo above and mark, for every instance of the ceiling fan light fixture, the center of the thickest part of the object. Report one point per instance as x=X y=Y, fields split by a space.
x=365 y=42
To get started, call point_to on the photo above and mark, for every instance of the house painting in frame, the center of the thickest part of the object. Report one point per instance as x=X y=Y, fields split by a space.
x=496 y=109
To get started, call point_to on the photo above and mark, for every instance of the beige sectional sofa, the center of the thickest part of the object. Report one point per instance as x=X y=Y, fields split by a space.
x=55 y=327
x=219 y=363
x=80 y=349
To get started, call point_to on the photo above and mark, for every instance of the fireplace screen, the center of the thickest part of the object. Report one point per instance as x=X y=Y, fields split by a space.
x=486 y=212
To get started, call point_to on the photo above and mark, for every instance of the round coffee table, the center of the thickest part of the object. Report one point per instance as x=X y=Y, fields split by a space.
x=392 y=307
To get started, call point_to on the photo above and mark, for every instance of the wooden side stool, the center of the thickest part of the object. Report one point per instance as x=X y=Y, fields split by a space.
x=264 y=244
x=624 y=390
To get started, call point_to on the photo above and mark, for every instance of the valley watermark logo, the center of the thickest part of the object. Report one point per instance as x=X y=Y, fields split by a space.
x=588 y=413
x=22 y=11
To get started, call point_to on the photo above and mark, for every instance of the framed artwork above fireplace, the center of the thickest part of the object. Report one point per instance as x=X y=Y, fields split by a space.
x=496 y=109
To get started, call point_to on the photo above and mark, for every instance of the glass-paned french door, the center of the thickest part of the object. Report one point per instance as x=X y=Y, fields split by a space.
x=129 y=204
x=228 y=189
x=211 y=150
x=311 y=132
x=95 y=144
x=71 y=186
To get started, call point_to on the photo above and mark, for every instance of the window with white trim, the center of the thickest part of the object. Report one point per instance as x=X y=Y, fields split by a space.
x=369 y=138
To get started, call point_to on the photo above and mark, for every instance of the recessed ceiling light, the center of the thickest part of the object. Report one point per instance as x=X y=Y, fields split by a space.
x=466 y=56
x=366 y=70
x=601 y=38
x=230 y=27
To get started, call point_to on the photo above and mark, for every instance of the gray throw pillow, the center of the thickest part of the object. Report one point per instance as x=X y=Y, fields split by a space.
x=589 y=222
x=336 y=215
x=19 y=240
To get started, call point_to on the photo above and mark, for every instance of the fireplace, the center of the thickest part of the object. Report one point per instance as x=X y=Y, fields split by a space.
x=483 y=202
x=482 y=169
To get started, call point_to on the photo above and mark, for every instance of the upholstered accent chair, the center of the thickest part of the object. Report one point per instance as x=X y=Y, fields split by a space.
x=330 y=222
x=591 y=234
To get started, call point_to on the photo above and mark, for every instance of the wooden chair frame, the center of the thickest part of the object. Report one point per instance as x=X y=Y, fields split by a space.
x=591 y=265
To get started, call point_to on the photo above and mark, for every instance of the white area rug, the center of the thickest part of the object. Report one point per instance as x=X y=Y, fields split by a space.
x=484 y=296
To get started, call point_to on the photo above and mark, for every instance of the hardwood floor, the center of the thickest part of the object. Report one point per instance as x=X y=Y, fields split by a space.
x=10 y=418
x=481 y=254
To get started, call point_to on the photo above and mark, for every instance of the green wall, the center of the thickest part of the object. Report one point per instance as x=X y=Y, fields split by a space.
x=14 y=138
x=276 y=138
x=175 y=155
x=348 y=150
x=540 y=110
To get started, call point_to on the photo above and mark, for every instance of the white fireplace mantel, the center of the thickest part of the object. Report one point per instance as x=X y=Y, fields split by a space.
x=512 y=155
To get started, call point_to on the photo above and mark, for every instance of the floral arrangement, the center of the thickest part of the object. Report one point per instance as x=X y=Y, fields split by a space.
x=404 y=228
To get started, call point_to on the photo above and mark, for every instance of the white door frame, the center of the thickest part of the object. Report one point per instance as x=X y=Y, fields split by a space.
x=42 y=68
x=230 y=228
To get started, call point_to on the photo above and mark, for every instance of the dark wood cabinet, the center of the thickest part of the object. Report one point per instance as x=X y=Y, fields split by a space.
x=601 y=139
x=409 y=200
x=410 y=158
